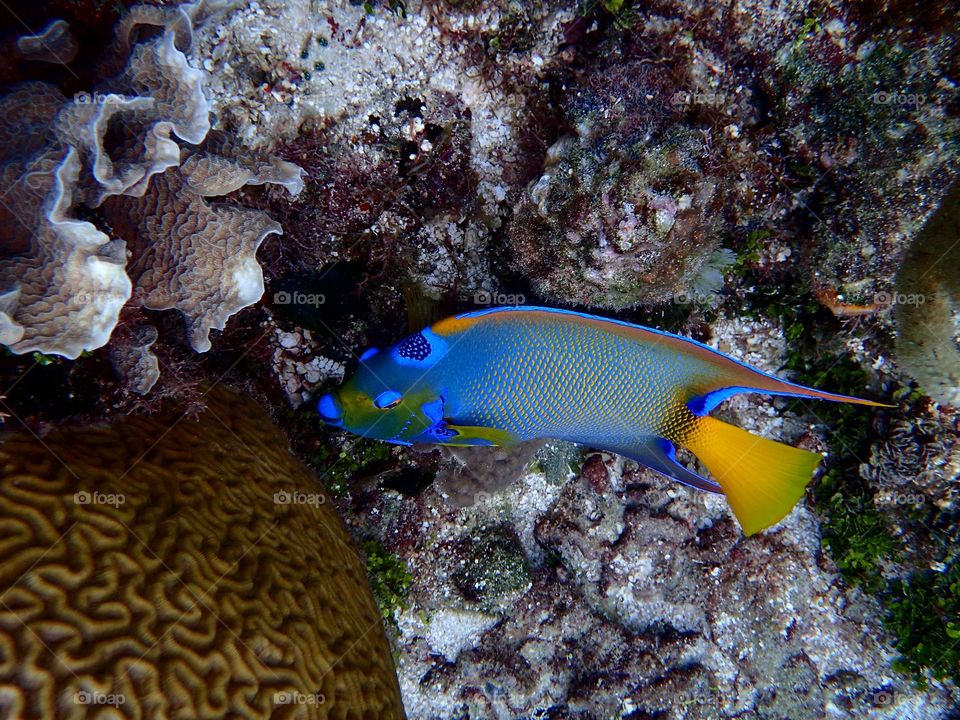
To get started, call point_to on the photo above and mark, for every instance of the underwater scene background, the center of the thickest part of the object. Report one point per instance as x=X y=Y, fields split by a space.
x=209 y=211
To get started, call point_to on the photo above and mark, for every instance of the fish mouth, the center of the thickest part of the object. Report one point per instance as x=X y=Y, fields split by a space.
x=330 y=410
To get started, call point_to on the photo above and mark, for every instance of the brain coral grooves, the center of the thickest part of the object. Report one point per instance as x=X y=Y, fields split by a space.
x=172 y=568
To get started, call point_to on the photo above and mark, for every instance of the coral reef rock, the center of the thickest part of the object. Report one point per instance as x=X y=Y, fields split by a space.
x=172 y=567
x=413 y=146
x=622 y=213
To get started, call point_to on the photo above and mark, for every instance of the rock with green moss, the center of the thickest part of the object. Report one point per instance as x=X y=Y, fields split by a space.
x=389 y=578
x=491 y=563
x=355 y=459
x=924 y=615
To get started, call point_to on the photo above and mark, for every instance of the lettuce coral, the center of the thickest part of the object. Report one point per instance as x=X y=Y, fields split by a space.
x=63 y=293
x=190 y=256
x=118 y=151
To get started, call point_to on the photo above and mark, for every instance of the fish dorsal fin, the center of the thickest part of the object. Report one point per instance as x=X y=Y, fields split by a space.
x=722 y=375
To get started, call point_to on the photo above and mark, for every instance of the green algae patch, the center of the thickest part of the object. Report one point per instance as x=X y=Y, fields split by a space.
x=389 y=578
x=358 y=457
x=924 y=615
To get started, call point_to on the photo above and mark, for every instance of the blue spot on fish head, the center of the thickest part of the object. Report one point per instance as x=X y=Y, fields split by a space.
x=330 y=410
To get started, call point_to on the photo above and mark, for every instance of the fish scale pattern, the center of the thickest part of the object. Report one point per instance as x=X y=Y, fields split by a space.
x=565 y=377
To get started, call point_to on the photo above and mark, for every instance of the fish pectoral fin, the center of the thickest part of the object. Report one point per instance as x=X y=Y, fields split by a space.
x=659 y=454
x=474 y=435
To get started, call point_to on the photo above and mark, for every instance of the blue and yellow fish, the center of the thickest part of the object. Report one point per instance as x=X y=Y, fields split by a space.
x=504 y=375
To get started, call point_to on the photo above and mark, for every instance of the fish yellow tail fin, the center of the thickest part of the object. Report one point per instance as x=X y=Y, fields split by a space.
x=761 y=478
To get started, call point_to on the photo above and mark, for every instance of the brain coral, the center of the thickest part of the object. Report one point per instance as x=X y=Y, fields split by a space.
x=166 y=568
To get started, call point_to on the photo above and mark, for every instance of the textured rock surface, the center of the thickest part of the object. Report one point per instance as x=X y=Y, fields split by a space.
x=626 y=211
x=179 y=568
x=417 y=157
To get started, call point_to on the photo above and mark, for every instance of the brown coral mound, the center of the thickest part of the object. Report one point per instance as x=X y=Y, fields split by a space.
x=927 y=304
x=172 y=568
x=627 y=211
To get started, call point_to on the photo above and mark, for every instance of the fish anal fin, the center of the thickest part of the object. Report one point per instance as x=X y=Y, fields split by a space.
x=660 y=455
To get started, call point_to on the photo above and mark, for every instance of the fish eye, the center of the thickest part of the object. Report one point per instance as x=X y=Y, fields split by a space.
x=387 y=399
